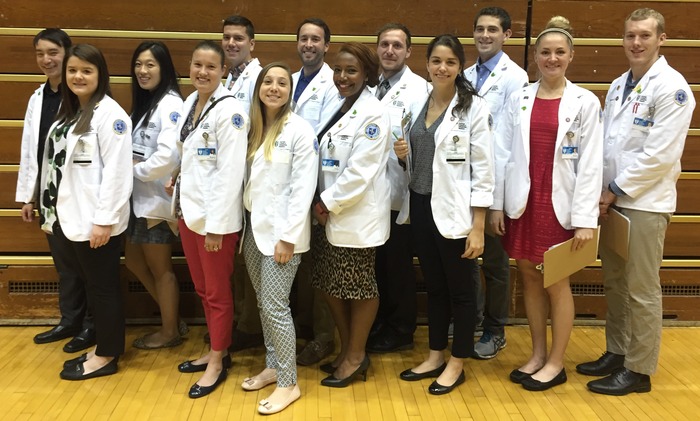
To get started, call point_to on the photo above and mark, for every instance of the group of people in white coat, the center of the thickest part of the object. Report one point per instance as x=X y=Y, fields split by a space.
x=240 y=161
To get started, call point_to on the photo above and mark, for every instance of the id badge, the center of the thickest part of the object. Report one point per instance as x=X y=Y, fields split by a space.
x=330 y=165
x=142 y=152
x=83 y=153
x=456 y=157
x=206 y=154
x=569 y=152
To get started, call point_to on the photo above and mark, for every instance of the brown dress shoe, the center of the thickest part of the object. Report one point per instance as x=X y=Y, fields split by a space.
x=314 y=352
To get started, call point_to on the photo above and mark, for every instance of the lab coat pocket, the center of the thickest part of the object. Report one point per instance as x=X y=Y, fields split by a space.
x=85 y=161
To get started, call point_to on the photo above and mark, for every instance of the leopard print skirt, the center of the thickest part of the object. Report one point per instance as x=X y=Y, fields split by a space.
x=342 y=272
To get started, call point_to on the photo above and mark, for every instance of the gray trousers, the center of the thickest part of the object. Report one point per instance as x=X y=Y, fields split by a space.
x=633 y=292
x=273 y=283
x=492 y=307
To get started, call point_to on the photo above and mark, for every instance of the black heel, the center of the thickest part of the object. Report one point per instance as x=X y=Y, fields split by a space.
x=332 y=381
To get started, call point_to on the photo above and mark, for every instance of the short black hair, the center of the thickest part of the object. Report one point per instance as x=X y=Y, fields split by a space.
x=238 y=20
x=321 y=24
x=498 y=12
x=55 y=35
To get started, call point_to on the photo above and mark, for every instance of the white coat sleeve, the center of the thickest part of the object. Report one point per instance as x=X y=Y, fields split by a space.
x=164 y=160
x=481 y=156
x=589 y=176
x=303 y=184
x=226 y=189
x=27 y=177
x=116 y=181
x=503 y=144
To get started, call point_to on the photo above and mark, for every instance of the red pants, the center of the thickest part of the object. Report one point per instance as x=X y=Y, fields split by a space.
x=211 y=274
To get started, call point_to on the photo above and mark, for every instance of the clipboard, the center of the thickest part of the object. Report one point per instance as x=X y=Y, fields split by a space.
x=560 y=262
x=615 y=233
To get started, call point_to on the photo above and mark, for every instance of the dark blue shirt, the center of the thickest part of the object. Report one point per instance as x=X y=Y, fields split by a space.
x=303 y=83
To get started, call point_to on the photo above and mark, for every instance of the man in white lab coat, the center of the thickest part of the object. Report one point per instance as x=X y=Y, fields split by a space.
x=398 y=89
x=647 y=114
x=316 y=99
x=495 y=77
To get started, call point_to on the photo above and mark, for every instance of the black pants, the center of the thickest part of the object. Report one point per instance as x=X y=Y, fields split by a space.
x=100 y=269
x=450 y=289
x=72 y=296
x=396 y=280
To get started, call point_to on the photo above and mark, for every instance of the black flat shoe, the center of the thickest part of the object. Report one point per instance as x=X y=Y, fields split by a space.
x=621 y=382
x=517 y=376
x=83 y=340
x=332 y=381
x=56 y=333
x=197 y=391
x=75 y=361
x=538 y=386
x=188 y=367
x=76 y=372
x=410 y=376
x=437 y=389
x=607 y=364
x=327 y=368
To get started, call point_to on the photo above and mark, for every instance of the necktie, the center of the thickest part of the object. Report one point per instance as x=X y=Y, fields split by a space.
x=383 y=89
x=482 y=73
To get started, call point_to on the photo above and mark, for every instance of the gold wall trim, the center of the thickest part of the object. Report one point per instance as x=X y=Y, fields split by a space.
x=11 y=123
x=180 y=260
x=9 y=168
x=690 y=176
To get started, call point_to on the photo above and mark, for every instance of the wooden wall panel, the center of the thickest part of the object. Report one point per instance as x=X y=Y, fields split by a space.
x=603 y=64
x=605 y=19
x=272 y=16
x=10 y=140
x=688 y=199
x=691 y=154
x=8 y=183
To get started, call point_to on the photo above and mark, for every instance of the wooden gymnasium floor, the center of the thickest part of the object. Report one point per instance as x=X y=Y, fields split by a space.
x=149 y=387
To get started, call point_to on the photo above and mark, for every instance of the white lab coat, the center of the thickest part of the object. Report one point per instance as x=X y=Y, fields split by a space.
x=506 y=78
x=575 y=182
x=244 y=87
x=645 y=136
x=398 y=101
x=97 y=192
x=320 y=100
x=357 y=194
x=28 y=175
x=155 y=145
x=211 y=191
x=279 y=192
x=459 y=186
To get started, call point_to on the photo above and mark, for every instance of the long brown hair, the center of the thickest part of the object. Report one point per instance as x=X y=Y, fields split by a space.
x=70 y=105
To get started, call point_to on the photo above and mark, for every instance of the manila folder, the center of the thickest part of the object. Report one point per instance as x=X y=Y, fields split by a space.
x=615 y=233
x=560 y=261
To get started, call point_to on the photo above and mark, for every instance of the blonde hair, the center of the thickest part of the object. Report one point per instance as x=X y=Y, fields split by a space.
x=558 y=25
x=646 y=13
x=257 y=135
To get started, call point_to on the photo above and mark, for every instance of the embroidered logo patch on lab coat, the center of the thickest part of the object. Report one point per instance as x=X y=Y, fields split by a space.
x=119 y=127
x=237 y=121
x=174 y=116
x=372 y=131
x=681 y=97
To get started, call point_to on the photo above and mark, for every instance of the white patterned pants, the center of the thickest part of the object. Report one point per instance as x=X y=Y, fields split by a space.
x=273 y=282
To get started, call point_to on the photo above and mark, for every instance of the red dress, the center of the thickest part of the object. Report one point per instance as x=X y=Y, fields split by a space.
x=537 y=229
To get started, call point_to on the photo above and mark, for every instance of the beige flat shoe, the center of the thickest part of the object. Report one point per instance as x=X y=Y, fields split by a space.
x=268 y=408
x=251 y=384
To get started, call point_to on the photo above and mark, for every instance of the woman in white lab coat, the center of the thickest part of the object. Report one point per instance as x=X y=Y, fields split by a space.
x=451 y=165
x=156 y=107
x=549 y=172
x=213 y=132
x=283 y=161
x=85 y=188
x=352 y=208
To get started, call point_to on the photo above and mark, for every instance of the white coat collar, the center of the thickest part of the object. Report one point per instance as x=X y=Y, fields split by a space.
x=317 y=84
